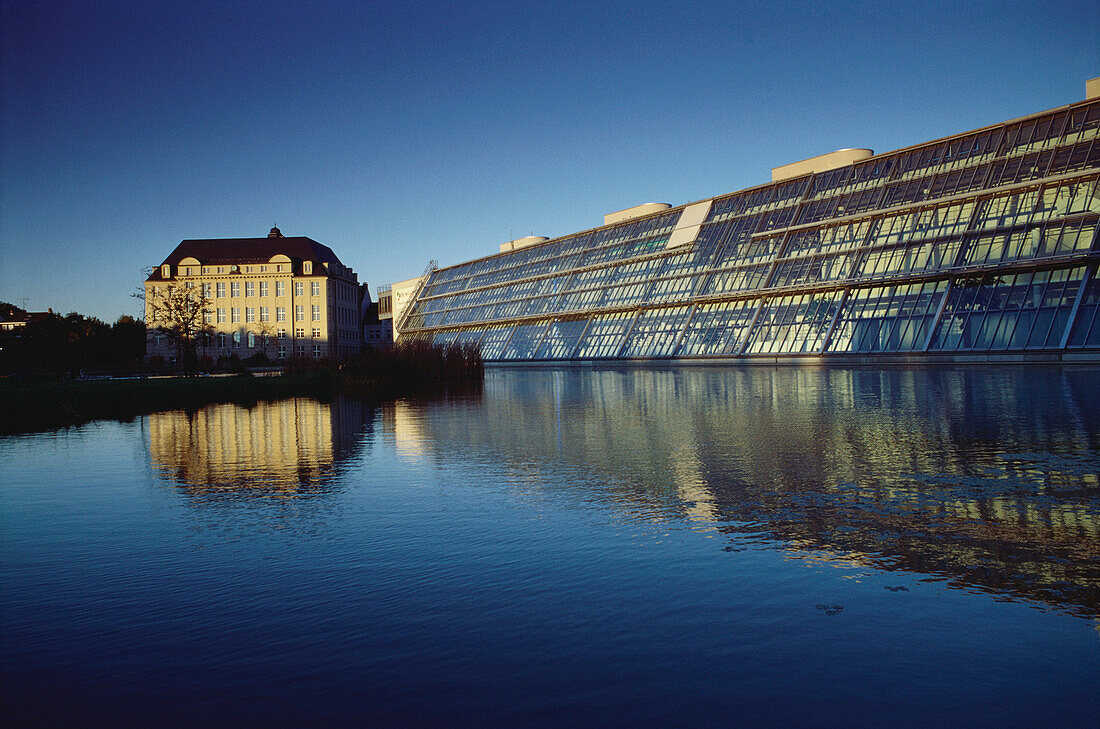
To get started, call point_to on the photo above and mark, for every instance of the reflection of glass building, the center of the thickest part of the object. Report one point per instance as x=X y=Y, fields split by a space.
x=986 y=479
x=983 y=242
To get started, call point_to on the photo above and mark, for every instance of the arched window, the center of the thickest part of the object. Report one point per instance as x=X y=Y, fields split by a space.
x=251 y=339
x=236 y=339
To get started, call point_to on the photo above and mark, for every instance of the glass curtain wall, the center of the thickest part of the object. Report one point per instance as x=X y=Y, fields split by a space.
x=986 y=241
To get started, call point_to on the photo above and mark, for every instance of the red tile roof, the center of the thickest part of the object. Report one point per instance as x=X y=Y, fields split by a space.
x=212 y=251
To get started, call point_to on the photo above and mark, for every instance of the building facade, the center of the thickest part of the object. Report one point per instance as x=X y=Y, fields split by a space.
x=982 y=245
x=278 y=296
x=377 y=319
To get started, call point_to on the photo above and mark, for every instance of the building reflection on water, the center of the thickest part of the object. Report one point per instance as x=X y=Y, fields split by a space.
x=284 y=449
x=989 y=479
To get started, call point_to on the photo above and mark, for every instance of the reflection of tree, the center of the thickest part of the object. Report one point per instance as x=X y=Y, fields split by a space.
x=819 y=314
x=971 y=294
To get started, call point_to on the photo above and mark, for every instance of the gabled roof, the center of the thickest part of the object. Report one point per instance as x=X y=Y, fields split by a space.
x=212 y=251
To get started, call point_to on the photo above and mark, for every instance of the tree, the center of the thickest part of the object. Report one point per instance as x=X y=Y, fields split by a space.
x=177 y=312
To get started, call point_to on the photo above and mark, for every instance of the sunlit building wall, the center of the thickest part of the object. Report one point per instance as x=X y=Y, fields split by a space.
x=277 y=295
x=979 y=245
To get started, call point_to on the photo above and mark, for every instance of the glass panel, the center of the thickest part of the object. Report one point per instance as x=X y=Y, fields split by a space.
x=469 y=337
x=655 y=332
x=561 y=339
x=492 y=344
x=740 y=279
x=1086 y=330
x=832 y=238
x=887 y=319
x=605 y=334
x=524 y=340
x=793 y=324
x=811 y=269
x=671 y=289
x=983 y=313
x=717 y=329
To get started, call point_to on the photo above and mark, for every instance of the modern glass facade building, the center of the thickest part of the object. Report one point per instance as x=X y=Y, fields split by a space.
x=982 y=246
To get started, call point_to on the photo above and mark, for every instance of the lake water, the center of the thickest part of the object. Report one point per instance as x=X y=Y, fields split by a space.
x=638 y=547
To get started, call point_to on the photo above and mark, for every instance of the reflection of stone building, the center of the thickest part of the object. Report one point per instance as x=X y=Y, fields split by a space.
x=275 y=448
x=894 y=469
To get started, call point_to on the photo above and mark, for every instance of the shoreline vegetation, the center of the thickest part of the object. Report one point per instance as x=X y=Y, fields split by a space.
x=406 y=369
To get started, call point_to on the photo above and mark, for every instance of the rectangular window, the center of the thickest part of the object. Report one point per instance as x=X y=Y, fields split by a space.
x=221 y=290
x=280 y=288
x=299 y=288
x=206 y=290
x=316 y=333
x=250 y=313
x=316 y=312
x=315 y=288
x=263 y=287
x=300 y=333
x=207 y=317
x=316 y=350
x=221 y=316
x=301 y=350
x=281 y=333
x=235 y=289
x=249 y=288
x=279 y=268
x=264 y=314
x=263 y=269
x=282 y=351
x=299 y=312
x=307 y=267
x=280 y=313
x=235 y=314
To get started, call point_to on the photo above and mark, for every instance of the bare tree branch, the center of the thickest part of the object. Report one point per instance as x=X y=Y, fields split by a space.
x=178 y=313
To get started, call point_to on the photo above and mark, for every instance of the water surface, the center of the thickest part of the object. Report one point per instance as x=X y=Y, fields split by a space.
x=693 y=547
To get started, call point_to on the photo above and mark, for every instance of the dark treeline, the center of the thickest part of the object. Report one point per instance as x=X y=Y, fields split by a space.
x=414 y=368
x=52 y=344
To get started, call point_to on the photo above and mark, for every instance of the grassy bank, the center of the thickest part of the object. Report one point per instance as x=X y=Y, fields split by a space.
x=404 y=370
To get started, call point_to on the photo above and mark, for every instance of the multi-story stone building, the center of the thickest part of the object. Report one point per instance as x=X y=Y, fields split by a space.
x=276 y=295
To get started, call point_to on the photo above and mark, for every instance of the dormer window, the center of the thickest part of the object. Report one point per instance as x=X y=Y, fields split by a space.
x=307 y=267
x=166 y=271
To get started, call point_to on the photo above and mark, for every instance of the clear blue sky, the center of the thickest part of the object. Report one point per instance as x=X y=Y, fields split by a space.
x=398 y=132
